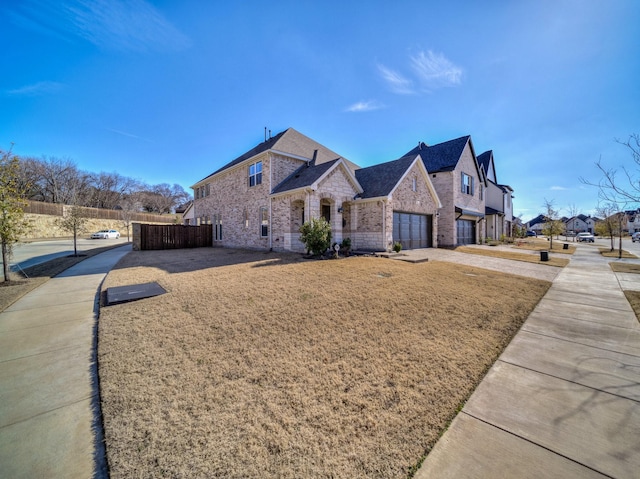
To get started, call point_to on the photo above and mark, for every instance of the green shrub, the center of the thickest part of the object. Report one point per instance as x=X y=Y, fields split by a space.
x=397 y=246
x=316 y=235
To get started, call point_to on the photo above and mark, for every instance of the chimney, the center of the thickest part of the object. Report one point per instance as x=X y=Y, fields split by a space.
x=313 y=160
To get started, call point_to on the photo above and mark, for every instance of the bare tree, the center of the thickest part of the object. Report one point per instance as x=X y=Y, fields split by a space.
x=609 y=225
x=74 y=221
x=163 y=198
x=129 y=205
x=54 y=180
x=107 y=189
x=553 y=224
x=624 y=188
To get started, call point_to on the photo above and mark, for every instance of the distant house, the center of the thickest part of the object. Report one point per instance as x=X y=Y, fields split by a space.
x=188 y=216
x=498 y=200
x=632 y=220
x=578 y=224
x=261 y=198
x=460 y=183
x=536 y=224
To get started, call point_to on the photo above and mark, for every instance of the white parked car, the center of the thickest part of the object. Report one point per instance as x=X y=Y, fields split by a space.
x=106 y=234
x=585 y=237
x=635 y=236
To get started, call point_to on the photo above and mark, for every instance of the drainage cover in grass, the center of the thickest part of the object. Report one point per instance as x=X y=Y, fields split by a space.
x=122 y=294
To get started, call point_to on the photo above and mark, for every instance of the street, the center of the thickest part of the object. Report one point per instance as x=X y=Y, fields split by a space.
x=30 y=254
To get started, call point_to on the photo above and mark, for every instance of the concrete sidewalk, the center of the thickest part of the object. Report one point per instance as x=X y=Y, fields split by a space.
x=49 y=406
x=563 y=400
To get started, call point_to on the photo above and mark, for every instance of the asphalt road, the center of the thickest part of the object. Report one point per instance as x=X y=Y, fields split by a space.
x=30 y=254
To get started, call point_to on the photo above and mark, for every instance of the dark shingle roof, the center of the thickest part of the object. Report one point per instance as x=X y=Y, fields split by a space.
x=379 y=180
x=264 y=146
x=443 y=156
x=537 y=219
x=484 y=159
x=306 y=175
x=292 y=142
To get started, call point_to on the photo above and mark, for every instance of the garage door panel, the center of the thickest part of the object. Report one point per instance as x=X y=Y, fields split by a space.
x=466 y=232
x=412 y=230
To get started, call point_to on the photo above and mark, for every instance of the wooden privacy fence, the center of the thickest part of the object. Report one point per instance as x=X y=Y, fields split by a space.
x=173 y=236
x=52 y=209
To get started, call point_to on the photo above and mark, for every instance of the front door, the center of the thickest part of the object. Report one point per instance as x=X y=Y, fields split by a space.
x=326 y=213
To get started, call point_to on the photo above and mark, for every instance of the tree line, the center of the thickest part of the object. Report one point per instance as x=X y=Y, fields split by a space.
x=59 y=180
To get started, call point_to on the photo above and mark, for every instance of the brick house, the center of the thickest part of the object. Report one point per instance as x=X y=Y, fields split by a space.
x=260 y=199
x=460 y=184
x=498 y=204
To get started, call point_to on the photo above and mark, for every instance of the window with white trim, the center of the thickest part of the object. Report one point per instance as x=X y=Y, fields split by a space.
x=467 y=184
x=255 y=174
x=264 y=221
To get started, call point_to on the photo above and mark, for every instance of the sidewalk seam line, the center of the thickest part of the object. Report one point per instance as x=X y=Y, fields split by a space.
x=576 y=342
x=567 y=380
x=537 y=444
x=41 y=353
x=49 y=411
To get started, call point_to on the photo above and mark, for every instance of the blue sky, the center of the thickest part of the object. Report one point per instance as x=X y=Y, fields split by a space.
x=167 y=92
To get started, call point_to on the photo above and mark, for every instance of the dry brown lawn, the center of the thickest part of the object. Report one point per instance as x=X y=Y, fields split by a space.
x=608 y=253
x=264 y=365
x=539 y=244
x=625 y=267
x=634 y=300
x=632 y=296
x=513 y=255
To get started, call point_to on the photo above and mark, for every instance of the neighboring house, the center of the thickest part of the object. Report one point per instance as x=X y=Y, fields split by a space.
x=537 y=224
x=632 y=220
x=260 y=199
x=460 y=183
x=188 y=215
x=498 y=201
x=591 y=223
x=578 y=224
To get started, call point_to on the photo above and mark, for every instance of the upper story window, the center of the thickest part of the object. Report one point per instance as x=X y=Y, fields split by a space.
x=467 y=184
x=414 y=184
x=202 y=191
x=255 y=174
x=481 y=192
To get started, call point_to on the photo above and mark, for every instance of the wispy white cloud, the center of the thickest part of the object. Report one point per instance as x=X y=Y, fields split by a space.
x=430 y=72
x=435 y=71
x=133 y=25
x=558 y=188
x=397 y=82
x=129 y=135
x=36 y=89
x=365 y=106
